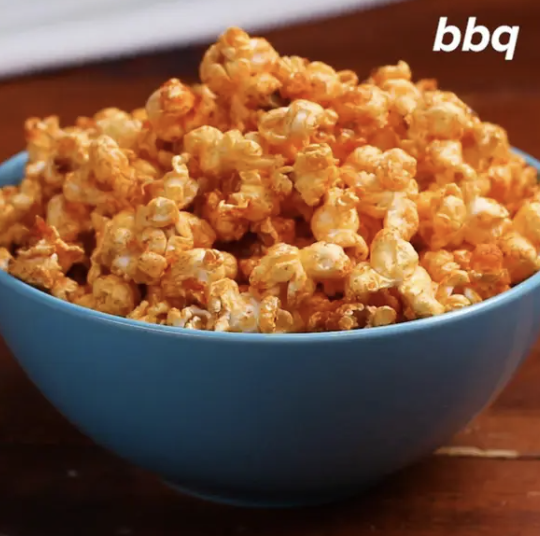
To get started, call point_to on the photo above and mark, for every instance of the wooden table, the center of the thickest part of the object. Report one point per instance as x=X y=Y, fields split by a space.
x=55 y=482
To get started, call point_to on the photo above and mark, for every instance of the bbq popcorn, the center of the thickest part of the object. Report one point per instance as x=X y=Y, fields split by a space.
x=278 y=195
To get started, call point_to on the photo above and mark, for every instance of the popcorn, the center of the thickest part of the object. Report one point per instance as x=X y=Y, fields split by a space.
x=442 y=216
x=488 y=273
x=175 y=109
x=69 y=219
x=379 y=178
x=190 y=232
x=521 y=258
x=106 y=180
x=114 y=296
x=337 y=221
x=277 y=196
x=363 y=107
x=275 y=229
x=191 y=317
x=440 y=264
x=41 y=136
x=48 y=260
x=389 y=73
x=314 y=81
x=392 y=256
x=292 y=127
x=242 y=312
x=216 y=154
x=121 y=126
x=241 y=71
x=487 y=221
x=19 y=205
x=439 y=115
x=324 y=261
x=419 y=294
x=160 y=212
x=67 y=289
x=445 y=162
x=350 y=316
x=176 y=185
x=5 y=259
x=402 y=216
x=314 y=172
x=527 y=221
x=157 y=313
x=281 y=270
x=191 y=272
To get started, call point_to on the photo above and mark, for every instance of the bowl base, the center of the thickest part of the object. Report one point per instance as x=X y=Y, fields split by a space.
x=262 y=501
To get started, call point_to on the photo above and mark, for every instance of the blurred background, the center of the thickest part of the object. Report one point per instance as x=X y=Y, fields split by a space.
x=62 y=32
x=73 y=58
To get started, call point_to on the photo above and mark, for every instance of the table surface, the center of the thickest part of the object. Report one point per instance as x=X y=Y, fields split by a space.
x=55 y=482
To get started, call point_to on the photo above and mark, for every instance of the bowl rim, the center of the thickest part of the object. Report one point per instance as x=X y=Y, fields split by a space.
x=14 y=163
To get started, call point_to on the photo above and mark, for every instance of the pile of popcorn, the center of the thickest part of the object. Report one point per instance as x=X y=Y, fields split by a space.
x=277 y=196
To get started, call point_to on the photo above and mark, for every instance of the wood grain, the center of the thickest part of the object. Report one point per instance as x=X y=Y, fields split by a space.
x=54 y=481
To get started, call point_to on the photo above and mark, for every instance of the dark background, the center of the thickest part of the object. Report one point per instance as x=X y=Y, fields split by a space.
x=54 y=482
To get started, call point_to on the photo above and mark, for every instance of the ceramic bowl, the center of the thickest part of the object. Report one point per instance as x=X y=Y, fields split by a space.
x=267 y=420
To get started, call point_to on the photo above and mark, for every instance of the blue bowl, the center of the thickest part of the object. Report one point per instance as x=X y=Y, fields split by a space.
x=267 y=420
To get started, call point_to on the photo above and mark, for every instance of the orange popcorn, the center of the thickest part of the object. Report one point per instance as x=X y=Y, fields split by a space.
x=277 y=196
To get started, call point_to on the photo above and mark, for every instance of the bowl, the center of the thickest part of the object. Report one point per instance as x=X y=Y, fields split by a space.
x=267 y=420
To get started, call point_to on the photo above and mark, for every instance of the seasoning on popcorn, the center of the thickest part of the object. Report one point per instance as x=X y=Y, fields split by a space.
x=278 y=195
